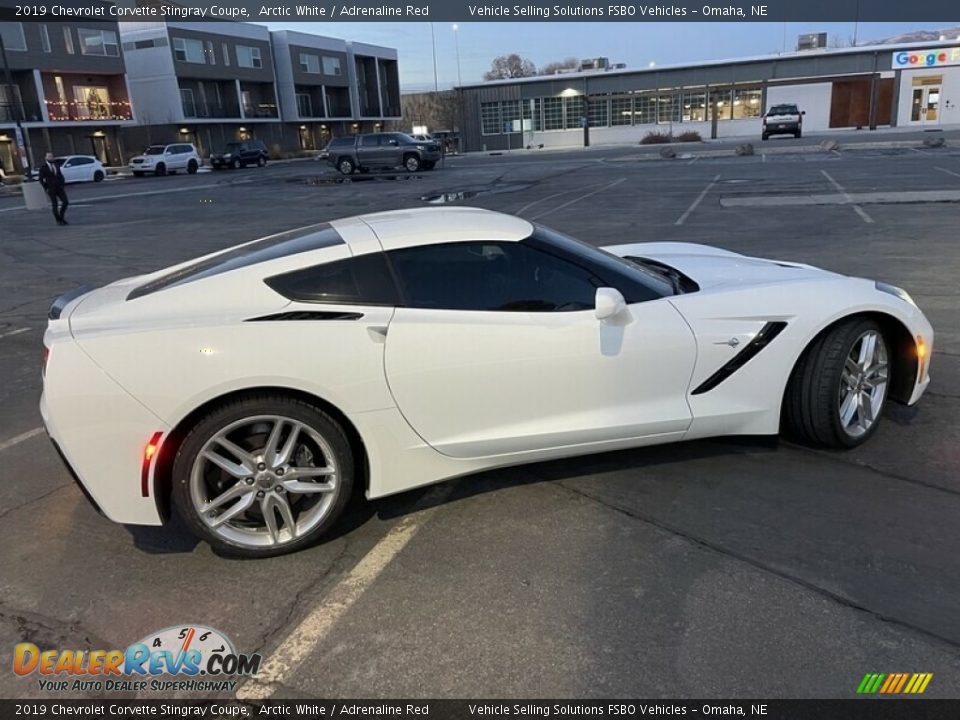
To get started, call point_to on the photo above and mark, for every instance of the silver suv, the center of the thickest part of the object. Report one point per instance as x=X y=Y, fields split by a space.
x=377 y=151
x=163 y=159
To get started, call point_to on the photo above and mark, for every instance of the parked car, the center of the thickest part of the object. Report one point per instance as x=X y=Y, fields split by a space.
x=783 y=119
x=399 y=349
x=378 y=151
x=77 y=168
x=240 y=154
x=163 y=159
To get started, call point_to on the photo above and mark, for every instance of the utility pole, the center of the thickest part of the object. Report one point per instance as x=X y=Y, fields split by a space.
x=23 y=141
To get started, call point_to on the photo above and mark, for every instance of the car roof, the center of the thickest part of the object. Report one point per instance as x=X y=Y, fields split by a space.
x=431 y=226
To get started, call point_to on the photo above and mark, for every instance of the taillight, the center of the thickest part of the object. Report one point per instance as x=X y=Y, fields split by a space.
x=46 y=358
x=149 y=453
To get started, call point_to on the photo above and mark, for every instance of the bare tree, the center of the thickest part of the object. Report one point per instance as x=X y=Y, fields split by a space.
x=837 y=41
x=510 y=66
x=438 y=111
x=570 y=63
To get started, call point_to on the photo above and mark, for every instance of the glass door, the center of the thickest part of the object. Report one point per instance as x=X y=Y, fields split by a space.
x=925 y=105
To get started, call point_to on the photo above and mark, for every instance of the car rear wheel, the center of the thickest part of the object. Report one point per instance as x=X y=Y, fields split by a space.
x=345 y=166
x=411 y=163
x=263 y=476
x=192 y=167
x=838 y=388
x=161 y=169
x=261 y=161
x=235 y=164
x=98 y=176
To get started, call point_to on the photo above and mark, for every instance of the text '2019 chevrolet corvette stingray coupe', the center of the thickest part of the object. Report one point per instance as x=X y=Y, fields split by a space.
x=253 y=388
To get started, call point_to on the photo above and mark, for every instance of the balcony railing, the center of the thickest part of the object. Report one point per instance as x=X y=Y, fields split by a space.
x=263 y=110
x=22 y=111
x=200 y=109
x=94 y=111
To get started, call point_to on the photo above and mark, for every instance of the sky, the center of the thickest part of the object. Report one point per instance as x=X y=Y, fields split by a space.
x=636 y=44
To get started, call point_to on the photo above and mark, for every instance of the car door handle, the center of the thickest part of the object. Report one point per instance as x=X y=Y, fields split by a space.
x=378 y=333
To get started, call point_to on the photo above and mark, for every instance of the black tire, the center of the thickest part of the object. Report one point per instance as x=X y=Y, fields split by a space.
x=235 y=164
x=811 y=404
x=411 y=163
x=345 y=166
x=161 y=169
x=261 y=161
x=250 y=406
x=137 y=173
x=765 y=136
x=192 y=167
x=798 y=134
x=98 y=176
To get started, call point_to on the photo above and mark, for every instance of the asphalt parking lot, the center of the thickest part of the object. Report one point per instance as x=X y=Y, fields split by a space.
x=733 y=567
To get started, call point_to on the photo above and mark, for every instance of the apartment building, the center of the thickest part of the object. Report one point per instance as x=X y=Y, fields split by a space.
x=68 y=90
x=206 y=83
x=330 y=87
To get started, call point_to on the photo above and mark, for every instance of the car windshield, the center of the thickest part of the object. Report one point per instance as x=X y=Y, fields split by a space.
x=154 y=150
x=783 y=110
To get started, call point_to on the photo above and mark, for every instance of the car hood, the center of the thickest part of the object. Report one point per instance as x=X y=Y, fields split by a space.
x=713 y=268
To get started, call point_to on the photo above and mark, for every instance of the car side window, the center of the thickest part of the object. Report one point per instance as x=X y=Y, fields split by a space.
x=492 y=276
x=360 y=280
x=80 y=161
x=369 y=141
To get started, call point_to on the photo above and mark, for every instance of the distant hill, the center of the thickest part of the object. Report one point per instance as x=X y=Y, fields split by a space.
x=950 y=33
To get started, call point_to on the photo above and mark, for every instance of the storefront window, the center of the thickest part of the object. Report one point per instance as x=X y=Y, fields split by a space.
x=553 y=113
x=621 y=111
x=746 y=103
x=598 y=111
x=574 y=112
x=510 y=110
x=668 y=108
x=490 y=118
x=723 y=103
x=694 y=106
x=533 y=113
x=646 y=110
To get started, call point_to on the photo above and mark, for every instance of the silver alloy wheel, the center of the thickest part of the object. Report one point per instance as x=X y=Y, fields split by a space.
x=412 y=164
x=863 y=383
x=261 y=467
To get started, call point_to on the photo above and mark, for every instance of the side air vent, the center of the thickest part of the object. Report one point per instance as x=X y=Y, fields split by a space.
x=307 y=315
x=763 y=338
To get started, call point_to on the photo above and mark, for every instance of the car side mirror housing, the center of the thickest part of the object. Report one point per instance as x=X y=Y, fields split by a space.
x=609 y=303
x=803 y=112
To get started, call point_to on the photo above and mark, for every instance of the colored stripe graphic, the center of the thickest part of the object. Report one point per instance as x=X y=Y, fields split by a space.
x=894 y=683
x=926 y=681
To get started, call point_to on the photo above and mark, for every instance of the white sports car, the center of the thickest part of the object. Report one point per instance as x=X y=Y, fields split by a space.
x=258 y=385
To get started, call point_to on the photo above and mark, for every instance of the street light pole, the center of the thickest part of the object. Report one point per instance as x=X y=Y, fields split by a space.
x=23 y=142
x=456 y=40
x=433 y=42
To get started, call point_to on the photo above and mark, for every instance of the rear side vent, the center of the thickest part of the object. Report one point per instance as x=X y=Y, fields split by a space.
x=763 y=338
x=307 y=315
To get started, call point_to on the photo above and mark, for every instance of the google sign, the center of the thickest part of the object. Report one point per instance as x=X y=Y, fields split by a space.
x=927 y=58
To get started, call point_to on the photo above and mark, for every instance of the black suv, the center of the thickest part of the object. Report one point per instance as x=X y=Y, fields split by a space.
x=240 y=154
x=382 y=150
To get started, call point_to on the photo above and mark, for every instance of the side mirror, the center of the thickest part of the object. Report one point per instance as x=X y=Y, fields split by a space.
x=803 y=112
x=609 y=303
x=394 y=142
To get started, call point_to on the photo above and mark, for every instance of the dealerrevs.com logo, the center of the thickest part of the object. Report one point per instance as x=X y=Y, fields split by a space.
x=191 y=658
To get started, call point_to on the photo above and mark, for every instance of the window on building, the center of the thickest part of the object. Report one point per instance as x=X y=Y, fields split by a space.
x=492 y=277
x=746 y=103
x=598 y=111
x=309 y=63
x=68 y=40
x=510 y=115
x=249 y=57
x=209 y=52
x=98 y=42
x=574 y=112
x=668 y=108
x=694 y=107
x=553 y=113
x=621 y=111
x=721 y=100
x=188 y=50
x=645 y=112
x=533 y=114
x=13 y=38
x=45 y=38
x=490 y=118
x=226 y=54
x=331 y=66
x=304 y=105
x=188 y=103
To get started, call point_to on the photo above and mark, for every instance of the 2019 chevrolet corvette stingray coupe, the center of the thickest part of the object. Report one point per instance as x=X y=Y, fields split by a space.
x=251 y=389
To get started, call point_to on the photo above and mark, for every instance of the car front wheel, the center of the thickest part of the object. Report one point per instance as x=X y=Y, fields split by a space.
x=345 y=167
x=98 y=176
x=838 y=388
x=261 y=161
x=263 y=476
x=161 y=169
x=192 y=167
x=411 y=163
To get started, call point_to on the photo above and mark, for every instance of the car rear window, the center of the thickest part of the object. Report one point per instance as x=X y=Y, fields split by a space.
x=276 y=246
x=783 y=110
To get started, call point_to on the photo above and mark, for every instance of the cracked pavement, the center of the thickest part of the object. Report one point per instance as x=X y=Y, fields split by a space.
x=732 y=567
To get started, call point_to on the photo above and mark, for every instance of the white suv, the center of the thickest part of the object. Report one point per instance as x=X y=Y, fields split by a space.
x=163 y=159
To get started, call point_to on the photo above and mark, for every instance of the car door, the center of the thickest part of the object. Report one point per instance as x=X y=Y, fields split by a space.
x=497 y=349
x=369 y=152
x=70 y=170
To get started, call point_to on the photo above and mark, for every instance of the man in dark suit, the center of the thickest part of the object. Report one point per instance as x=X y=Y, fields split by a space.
x=51 y=177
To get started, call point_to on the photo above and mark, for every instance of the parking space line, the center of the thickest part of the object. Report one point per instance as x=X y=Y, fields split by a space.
x=846 y=196
x=578 y=199
x=315 y=627
x=948 y=172
x=544 y=199
x=693 y=206
x=11 y=333
x=22 y=437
